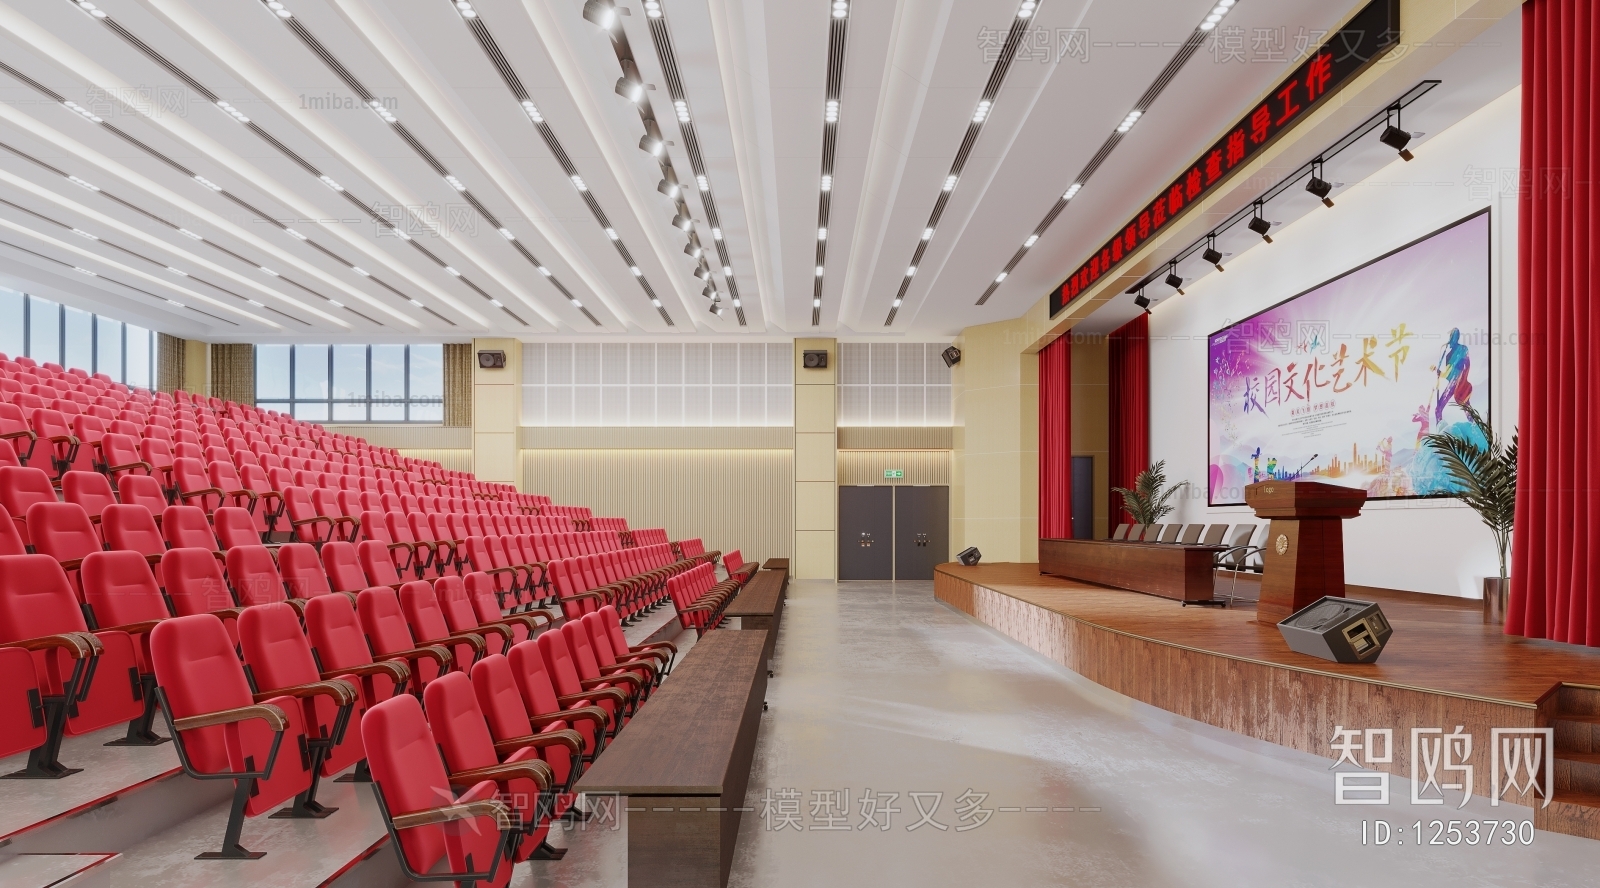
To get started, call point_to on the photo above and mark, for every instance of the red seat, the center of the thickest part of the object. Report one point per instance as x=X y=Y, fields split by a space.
x=157 y=452
x=423 y=614
x=131 y=528
x=53 y=428
x=220 y=730
x=15 y=430
x=121 y=455
x=511 y=725
x=340 y=647
x=308 y=525
x=475 y=835
x=64 y=532
x=301 y=569
x=90 y=490
x=20 y=488
x=195 y=585
x=376 y=564
x=384 y=624
x=10 y=539
x=646 y=666
x=120 y=592
x=539 y=695
x=570 y=687
x=326 y=502
x=343 y=568
x=470 y=754
x=142 y=490
x=254 y=576
x=499 y=632
x=235 y=527
x=186 y=527
x=83 y=678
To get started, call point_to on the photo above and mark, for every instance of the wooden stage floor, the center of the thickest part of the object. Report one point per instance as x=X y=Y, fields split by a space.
x=1442 y=668
x=1439 y=643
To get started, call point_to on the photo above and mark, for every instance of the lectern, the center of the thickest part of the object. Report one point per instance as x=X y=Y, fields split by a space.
x=1303 y=556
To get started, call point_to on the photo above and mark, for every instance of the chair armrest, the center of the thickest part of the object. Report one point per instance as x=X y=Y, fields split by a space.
x=501 y=629
x=136 y=628
x=572 y=740
x=248 y=493
x=608 y=693
x=204 y=491
x=71 y=563
x=268 y=713
x=28 y=433
x=529 y=620
x=77 y=644
x=312 y=520
x=619 y=673
x=227 y=613
x=531 y=769
x=639 y=648
x=393 y=668
x=582 y=713
x=472 y=638
x=438 y=655
x=447 y=813
x=341 y=691
x=133 y=465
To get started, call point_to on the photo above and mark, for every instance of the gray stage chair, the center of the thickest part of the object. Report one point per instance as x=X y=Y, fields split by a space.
x=1136 y=532
x=1152 y=532
x=1191 y=534
x=1239 y=551
x=1171 y=533
x=1122 y=532
x=1214 y=535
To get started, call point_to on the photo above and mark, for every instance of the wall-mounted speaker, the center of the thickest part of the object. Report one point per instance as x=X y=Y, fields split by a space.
x=1343 y=630
x=814 y=359
x=969 y=556
x=951 y=355
x=492 y=360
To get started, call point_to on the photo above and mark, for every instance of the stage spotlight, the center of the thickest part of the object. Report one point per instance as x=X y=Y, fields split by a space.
x=951 y=355
x=1318 y=185
x=1260 y=224
x=693 y=251
x=681 y=221
x=630 y=85
x=969 y=556
x=1211 y=255
x=601 y=12
x=1175 y=282
x=1142 y=300
x=702 y=273
x=1397 y=138
x=651 y=141
x=669 y=186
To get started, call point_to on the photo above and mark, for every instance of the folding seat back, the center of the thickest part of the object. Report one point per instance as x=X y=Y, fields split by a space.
x=376 y=564
x=235 y=527
x=63 y=531
x=141 y=490
x=131 y=528
x=10 y=540
x=301 y=569
x=254 y=575
x=258 y=745
x=339 y=645
x=410 y=779
x=186 y=527
x=89 y=430
x=90 y=490
x=194 y=486
x=384 y=624
x=52 y=427
x=309 y=525
x=343 y=568
x=278 y=656
x=120 y=454
x=326 y=502
x=119 y=589
x=425 y=616
x=14 y=428
x=195 y=584
x=21 y=488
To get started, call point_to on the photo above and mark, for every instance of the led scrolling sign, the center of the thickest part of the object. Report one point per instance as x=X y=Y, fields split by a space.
x=1347 y=52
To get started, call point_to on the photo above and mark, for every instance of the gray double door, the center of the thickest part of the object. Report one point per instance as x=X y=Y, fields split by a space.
x=893 y=532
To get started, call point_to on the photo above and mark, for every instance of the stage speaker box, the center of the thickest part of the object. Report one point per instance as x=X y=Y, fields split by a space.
x=492 y=360
x=969 y=556
x=1343 y=630
x=814 y=359
x=951 y=355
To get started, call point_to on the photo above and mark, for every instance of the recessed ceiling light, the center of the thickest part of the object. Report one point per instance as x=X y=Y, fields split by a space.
x=544 y=271
x=266 y=270
x=819 y=271
x=611 y=233
x=896 y=303
x=1000 y=277
x=419 y=304
x=1032 y=239
x=927 y=234
x=256 y=304
x=655 y=302
x=277 y=9
x=81 y=233
x=452 y=271
x=982 y=112
x=85 y=271
x=1073 y=190
x=727 y=271
x=652 y=8
x=682 y=108
x=816 y=303
x=455 y=183
x=830 y=113
x=532 y=111
x=90 y=8
x=328 y=181
x=177 y=272
x=81 y=111
x=506 y=233
x=949 y=183
x=183 y=231
x=1128 y=122
x=577 y=182
x=636 y=271
x=701 y=181
x=336 y=303
x=822 y=234
x=716 y=234
x=466 y=9
x=841 y=8
x=1028 y=6
x=827 y=183
x=82 y=184
x=208 y=183
x=361 y=271
x=233 y=112
x=295 y=234
x=911 y=271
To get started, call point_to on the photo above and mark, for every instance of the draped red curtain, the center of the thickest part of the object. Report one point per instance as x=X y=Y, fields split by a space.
x=1129 y=349
x=1055 y=440
x=1555 y=570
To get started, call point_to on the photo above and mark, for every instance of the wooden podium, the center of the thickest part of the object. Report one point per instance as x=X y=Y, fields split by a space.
x=1303 y=556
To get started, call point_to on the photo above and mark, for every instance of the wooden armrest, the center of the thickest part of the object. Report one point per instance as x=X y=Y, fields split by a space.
x=136 y=628
x=133 y=465
x=467 y=811
x=619 y=673
x=268 y=713
x=582 y=713
x=437 y=654
x=249 y=493
x=501 y=629
x=57 y=439
x=204 y=491
x=341 y=691
x=71 y=563
x=608 y=693
x=654 y=646
x=531 y=769
x=77 y=644
x=472 y=638
x=395 y=669
x=571 y=739
x=407 y=546
x=28 y=432
x=312 y=520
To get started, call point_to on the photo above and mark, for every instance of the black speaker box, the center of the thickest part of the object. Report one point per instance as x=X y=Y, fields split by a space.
x=814 y=359
x=969 y=556
x=1343 y=630
x=491 y=360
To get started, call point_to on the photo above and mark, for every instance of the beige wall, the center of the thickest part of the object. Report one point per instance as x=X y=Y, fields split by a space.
x=866 y=467
x=816 y=510
x=497 y=413
x=1091 y=419
x=994 y=496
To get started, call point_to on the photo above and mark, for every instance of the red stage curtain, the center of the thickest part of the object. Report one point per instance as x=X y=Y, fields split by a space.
x=1130 y=405
x=1055 y=440
x=1555 y=571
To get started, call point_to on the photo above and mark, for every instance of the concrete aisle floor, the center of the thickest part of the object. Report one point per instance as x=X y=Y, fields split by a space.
x=881 y=689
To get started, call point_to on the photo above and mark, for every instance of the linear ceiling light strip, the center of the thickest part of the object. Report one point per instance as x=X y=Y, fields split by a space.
x=321 y=51
x=84 y=271
x=661 y=37
x=1176 y=63
x=631 y=86
x=185 y=171
x=188 y=80
x=830 y=132
x=175 y=227
x=156 y=262
x=991 y=92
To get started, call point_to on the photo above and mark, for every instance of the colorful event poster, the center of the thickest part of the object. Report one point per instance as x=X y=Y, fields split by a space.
x=1340 y=383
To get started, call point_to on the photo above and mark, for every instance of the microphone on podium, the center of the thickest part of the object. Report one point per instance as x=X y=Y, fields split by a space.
x=1304 y=464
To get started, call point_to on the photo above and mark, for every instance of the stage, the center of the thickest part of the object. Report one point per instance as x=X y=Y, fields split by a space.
x=1442 y=669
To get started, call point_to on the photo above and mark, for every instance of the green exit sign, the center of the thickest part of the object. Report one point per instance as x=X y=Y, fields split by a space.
x=894 y=473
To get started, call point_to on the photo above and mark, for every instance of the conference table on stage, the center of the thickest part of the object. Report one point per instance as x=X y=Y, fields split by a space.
x=1170 y=570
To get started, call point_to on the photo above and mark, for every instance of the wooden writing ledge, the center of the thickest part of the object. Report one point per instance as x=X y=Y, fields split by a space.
x=684 y=761
x=759 y=604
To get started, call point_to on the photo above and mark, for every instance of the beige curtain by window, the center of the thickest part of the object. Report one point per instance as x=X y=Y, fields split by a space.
x=169 y=363
x=458 y=384
x=233 y=372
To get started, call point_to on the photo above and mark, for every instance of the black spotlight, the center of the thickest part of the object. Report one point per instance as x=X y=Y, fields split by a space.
x=1142 y=300
x=969 y=556
x=951 y=355
x=1260 y=225
x=1397 y=138
x=1175 y=282
x=1211 y=255
x=1319 y=186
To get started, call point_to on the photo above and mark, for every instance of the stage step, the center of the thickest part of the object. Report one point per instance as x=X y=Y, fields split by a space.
x=57 y=870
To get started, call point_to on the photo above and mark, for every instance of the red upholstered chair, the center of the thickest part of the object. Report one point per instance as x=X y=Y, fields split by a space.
x=20 y=731
x=423 y=614
x=475 y=836
x=64 y=532
x=583 y=712
x=194 y=486
x=470 y=754
x=83 y=677
x=462 y=614
x=90 y=490
x=647 y=667
x=14 y=429
x=10 y=539
x=195 y=585
x=326 y=501
x=121 y=455
x=512 y=726
x=376 y=564
x=663 y=651
x=589 y=669
x=339 y=645
x=570 y=687
x=308 y=524
x=278 y=655
x=222 y=730
x=142 y=490
x=157 y=452
x=301 y=569
x=235 y=527
x=53 y=428
x=20 y=488
x=186 y=527
x=343 y=568
x=269 y=501
x=254 y=577
x=131 y=528
x=384 y=624
x=120 y=592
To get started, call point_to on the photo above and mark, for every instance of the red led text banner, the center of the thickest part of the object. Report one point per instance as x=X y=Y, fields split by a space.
x=1349 y=50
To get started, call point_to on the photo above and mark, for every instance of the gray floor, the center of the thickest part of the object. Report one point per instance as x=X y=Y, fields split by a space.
x=881 y=688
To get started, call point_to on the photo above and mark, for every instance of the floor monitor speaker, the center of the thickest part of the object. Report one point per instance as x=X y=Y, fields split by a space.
x=969 y=556
x=1343 y=630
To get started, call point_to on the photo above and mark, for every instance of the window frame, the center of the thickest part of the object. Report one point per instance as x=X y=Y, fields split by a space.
x=290 y=404
x=119 y=373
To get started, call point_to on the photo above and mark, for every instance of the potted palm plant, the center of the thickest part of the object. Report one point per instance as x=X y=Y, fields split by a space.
x=1485 y=471
x=1148 y=502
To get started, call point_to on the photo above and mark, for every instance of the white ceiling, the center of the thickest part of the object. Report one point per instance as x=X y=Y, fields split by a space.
x=753 y=74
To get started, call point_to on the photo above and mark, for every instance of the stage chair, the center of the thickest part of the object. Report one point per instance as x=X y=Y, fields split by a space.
x=1170 y=533
x=420 y=605
x=539 y=695
x=235 y=527
x=511 y=726
x=570 y=688
x=142 y=490
x=1121 y=533
x=120 y=593
x=476 y=836
x=1239 y=550
x=470 y=754
x=646 y=667
x=1152 y=533
x=1135 y=533
x=384 y=625
x=63 y=531
x=224 y=731
x=341 y=650
x=90 y=490
x=186 y=527
x=1214 y=534
x=1191 y=534
x=20 y=489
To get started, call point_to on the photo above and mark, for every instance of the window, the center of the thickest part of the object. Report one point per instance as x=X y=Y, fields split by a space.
x=658 y=384
x=352 y=383
x=893 y=384
x=51 y=332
